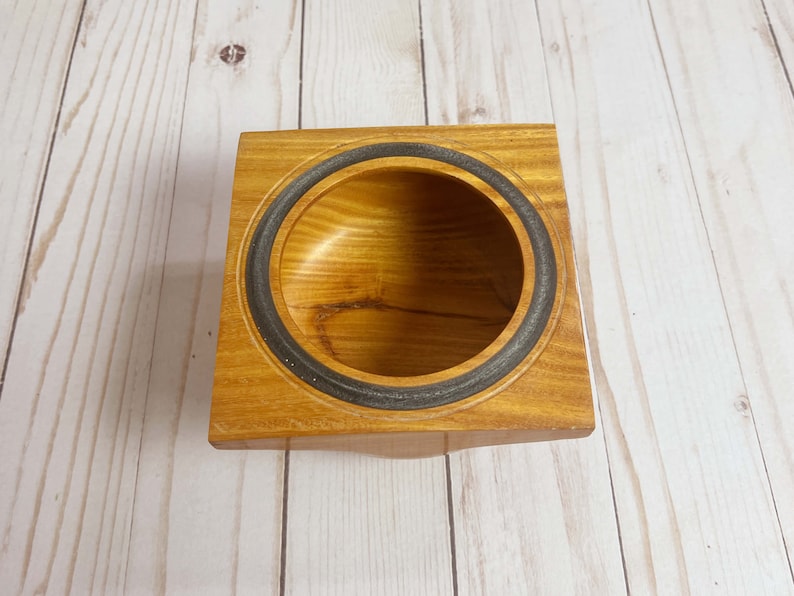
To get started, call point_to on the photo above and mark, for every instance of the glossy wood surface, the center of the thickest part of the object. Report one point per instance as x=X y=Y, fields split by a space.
x=259 y=401
x=402 y=273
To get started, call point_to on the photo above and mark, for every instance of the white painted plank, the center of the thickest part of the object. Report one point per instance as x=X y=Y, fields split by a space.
x=37 y=38
x=73 y=398
x=362 y=64
x=484 y=63
x=737 y=117
x=356 y=524
x=363 y=525
x=208 y=521
x=780 y=34
x=692 y=496
x=526 y=516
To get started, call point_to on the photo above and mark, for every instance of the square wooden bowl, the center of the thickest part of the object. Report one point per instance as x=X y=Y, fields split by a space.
x=401 y=291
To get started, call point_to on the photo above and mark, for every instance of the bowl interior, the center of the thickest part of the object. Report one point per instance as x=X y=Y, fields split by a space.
x=401 y=272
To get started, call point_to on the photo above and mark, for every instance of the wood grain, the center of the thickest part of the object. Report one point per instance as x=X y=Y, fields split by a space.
x=37 y=39
x=362 y=67
x=526 y=516
x=73 y=398
x=671 y=116
x=261 y=397
x=691 y=490
x=402 y=273
x=360 y=525
x=740 y=156
x=206 y=521
x=779 y=17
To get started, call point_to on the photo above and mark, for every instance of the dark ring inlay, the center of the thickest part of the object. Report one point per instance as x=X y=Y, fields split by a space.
x=355 y=391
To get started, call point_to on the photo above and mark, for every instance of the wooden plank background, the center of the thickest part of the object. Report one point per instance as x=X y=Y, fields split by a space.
x=120 y=123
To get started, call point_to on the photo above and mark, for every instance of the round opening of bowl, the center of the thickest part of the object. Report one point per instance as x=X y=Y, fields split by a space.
x=401 y=272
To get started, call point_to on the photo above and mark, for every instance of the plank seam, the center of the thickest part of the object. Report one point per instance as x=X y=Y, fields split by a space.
x=422 y=61
x=614 y=505
x=714 y=262
x=447 y=471
x=159 y=300
x=545 y=65
x=597 y=401
x=300 y=65
x=40 y=195
x=282 y=578
x=777 y=49
x=451 y=510
x=774 y=501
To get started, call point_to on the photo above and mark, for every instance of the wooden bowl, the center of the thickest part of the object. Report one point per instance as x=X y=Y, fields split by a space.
x=401 y=273
x=399 y=291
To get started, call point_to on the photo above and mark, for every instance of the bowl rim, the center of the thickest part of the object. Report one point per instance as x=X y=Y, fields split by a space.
x=300 y=363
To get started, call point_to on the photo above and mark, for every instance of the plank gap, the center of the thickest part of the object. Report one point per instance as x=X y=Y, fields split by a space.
x=424 y=97
x=32 y=232
x=282 y=580
x=300 y=67
x=452 y=548
x=779 y=55
x=729 y=320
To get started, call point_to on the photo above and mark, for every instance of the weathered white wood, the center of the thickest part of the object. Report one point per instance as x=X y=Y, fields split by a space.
x=691 y=491
x=737 y=118
x=361 y=525
x=37 y=38
x=780 y=36
x=679 y=407
x=484 y=63
x=362 y=64
x=208 y=521
x=72 y=402
x=526 y=516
